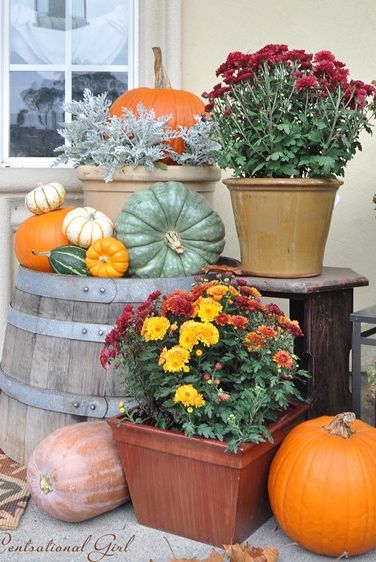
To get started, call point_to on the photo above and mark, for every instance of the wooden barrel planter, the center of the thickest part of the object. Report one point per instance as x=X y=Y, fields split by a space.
x=50 y=373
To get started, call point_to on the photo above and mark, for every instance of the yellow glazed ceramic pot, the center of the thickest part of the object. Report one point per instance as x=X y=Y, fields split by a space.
x=282 y=223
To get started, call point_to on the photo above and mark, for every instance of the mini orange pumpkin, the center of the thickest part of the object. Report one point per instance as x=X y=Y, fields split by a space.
x=41 y=233
x=322 y=485
x=107 y=257
x=180 y=104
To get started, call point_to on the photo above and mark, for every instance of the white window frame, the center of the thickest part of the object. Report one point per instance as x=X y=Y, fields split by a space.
x=131 y=69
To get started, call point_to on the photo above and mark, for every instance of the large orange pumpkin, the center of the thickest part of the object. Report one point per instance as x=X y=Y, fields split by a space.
x=41 y=233
x=322 y=485
x=75 y=473
x=181 y=104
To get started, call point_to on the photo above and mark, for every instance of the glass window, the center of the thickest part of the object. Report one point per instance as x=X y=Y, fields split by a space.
x=57 y=48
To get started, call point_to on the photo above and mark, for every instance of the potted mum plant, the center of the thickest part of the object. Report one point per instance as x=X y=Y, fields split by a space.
x=211 y=374
x=288 y=122
x=145 y=136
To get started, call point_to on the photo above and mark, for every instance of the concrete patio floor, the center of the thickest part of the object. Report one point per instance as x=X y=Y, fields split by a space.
x=117 y=537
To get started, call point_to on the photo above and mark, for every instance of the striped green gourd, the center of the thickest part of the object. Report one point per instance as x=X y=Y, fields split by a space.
x=68 y=260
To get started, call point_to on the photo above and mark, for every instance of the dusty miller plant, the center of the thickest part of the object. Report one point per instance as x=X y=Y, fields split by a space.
x=200 y=148
x=94 y=136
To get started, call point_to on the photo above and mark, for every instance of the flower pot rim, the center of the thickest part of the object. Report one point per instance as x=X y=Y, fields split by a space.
x=141 y=173
x=295 y=410
x=233 y=182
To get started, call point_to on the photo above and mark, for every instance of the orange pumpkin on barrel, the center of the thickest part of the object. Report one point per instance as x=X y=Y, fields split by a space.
x=41 y=233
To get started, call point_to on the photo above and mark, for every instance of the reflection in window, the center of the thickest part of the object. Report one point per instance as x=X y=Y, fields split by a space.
x=114 y=83
x=100 y=37
x=51 y=14
x=49 y=66
x=36 y=111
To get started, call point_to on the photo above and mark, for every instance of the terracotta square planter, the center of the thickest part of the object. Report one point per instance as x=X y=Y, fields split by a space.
x=192 y=487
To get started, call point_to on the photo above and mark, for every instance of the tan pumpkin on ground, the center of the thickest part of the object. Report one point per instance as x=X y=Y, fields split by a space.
x=322 y=485
x=45 y=198
x=75 y=472
x=84 y=225
x=107 y=257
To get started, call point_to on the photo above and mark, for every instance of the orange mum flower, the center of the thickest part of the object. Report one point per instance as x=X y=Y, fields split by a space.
x=254 y=340
x=283 y=360
x=238 y=321
x=267 y=331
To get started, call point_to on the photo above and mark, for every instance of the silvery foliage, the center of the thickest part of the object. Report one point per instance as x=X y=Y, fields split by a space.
x=200 y=149
x=94 y=136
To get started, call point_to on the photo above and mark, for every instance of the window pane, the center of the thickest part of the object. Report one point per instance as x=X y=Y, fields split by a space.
x=36 y=112
x=102 y=36
x=115 y=83
x=36 y=31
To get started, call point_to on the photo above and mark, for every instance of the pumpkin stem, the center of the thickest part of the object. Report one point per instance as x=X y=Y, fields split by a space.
x=45 y=484
x=104 y=259
x=341 y=425
x=174 y=242
x=160 y=74
x=35 y=253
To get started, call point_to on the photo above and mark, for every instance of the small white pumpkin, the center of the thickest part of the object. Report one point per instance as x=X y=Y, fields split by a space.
x=84 y=225
x=45 y=198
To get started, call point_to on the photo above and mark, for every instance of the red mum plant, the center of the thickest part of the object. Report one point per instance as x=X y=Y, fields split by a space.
x=287 y=113
x=213 y=361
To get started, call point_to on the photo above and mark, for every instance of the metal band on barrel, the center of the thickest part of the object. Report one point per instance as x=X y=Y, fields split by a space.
x=63 y=402
x=95 y=289
x=82 y=331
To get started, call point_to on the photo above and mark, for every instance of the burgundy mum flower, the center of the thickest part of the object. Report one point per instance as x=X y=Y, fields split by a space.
x=306 y=83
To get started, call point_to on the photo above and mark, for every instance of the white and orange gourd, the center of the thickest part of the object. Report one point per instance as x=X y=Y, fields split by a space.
x=45 y=198
x=84 y=225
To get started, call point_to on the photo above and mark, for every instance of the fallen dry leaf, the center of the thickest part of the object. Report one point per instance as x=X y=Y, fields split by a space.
x=217 y=268
x=214 y=556
x=248 y=553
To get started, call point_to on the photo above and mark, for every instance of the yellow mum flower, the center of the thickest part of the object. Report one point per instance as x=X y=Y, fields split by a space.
x=162 y=357
x=155 y=328
x=233 y=291
x=209 y=334
x=174 y=359
x=188 y=396
x=188 y=336
x=208 y=308
x=199 y=401
x=254 y=292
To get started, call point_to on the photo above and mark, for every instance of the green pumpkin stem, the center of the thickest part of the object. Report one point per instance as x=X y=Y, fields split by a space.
x=35 y=253
x=341 y=425
x=160 y=74
x=174 y=242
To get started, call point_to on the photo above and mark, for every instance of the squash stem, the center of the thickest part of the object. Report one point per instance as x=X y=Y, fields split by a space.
x=341 y=425
x=45 y=484
x=174 y=242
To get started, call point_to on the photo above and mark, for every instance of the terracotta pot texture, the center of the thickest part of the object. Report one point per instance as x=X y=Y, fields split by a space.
x=282 y=224
x=110 y=197
x=192 y=487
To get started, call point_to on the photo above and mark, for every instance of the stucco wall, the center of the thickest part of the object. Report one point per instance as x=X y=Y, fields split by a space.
x=213 y=28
